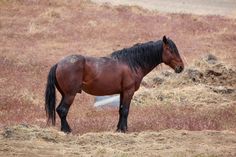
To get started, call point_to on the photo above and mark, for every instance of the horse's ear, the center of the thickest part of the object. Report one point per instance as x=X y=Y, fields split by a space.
x=165 y=40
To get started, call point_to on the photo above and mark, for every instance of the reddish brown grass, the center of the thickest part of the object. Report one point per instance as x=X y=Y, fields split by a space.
x=157 y=118
x=85 y=119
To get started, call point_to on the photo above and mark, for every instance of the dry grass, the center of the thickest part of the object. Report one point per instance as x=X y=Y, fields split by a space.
x=26 y=140
x=203 y=84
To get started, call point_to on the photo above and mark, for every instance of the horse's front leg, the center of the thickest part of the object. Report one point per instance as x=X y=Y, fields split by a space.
x=120 y=112
x=125 y=99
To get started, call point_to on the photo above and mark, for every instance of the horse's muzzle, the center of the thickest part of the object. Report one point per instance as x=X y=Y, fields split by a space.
x=179 y=69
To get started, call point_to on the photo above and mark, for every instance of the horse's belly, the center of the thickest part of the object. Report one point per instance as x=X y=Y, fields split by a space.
x=101 y=87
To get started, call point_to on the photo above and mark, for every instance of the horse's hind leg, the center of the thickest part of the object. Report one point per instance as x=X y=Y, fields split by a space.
x=69 y=76
x=62 y=111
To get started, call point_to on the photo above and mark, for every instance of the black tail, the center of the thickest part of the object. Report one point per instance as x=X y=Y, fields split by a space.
x=50 y=95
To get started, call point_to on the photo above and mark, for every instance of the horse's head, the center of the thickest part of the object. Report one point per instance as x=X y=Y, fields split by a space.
x=170 y=55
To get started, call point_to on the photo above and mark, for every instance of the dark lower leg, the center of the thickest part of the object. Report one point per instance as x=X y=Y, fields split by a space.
x=124 y=110
x=122 y=124
x=119 y=122
x=62 y=111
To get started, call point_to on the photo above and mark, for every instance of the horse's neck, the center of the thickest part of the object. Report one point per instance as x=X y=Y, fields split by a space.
x=151 y=67
x=146 y=71
x=158 y=60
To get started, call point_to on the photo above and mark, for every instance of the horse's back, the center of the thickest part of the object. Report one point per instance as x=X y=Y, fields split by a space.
x=71 y=59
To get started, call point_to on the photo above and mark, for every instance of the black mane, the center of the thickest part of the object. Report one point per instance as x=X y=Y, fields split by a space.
x=141 y=55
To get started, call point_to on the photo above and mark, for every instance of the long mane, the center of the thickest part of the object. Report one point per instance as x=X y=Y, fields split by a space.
x=144 y=55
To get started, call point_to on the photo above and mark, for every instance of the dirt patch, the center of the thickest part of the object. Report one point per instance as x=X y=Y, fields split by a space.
x=26 y=140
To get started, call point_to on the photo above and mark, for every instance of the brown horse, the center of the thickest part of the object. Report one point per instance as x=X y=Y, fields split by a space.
x=120 y=73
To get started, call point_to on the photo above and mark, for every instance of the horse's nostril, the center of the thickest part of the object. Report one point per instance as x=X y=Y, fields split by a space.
x=179 y=69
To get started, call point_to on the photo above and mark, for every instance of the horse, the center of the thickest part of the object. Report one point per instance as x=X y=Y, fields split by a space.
x=121 y=72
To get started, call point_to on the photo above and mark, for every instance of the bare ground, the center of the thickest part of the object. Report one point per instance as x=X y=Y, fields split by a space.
x=34 y=35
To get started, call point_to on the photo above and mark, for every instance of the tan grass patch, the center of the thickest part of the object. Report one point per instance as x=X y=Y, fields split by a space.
x=26 y=140
x=204 y=83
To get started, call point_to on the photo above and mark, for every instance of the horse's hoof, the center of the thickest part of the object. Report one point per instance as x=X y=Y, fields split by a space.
x=66 y=130
x=120 y=130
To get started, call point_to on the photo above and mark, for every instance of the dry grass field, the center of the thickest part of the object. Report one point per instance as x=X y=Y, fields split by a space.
x=169 y=114
x=27 y=141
